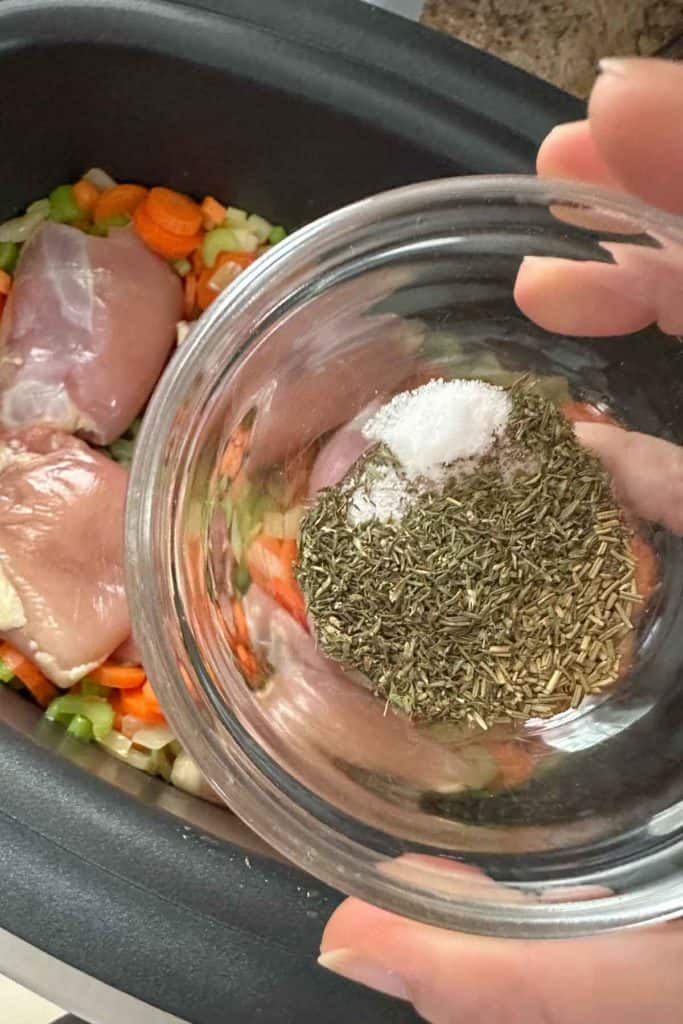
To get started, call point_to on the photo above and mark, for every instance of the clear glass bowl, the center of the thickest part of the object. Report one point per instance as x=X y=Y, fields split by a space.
x=410 y=284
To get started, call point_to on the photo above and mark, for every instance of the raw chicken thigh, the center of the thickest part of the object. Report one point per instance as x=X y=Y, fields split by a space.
x=87 y=331
x=62 y=601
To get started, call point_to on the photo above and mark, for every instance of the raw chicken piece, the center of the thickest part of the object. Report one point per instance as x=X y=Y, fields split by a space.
x=61 y=552
x=88 y=328
x=339 y=454
x=314 y=706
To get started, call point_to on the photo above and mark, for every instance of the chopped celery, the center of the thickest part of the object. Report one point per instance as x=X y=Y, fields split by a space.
x=6 y=673
x=235 y=218
x=97 y=710
x=119 y=220
x=247 y=241
x=80 y=728
x=63 y=206
x=182 y=267
x=122 y=451
x=9 y=254
x=260 y=227
x=241 y=579
x=217 y=241
x=89 y=688
x=277 y=235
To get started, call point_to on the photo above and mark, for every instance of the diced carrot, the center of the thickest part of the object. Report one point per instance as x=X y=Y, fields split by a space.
x=582 y=412
x=241 y=628
x=213 y=212
x=174 y=212
x=5 y=283
x=270 y=561
x=205 y=293
x=645 y=571
x=86 y=195
x=118 y=677
x=161 y=241
x=40 y=687
x=288 y=594
x=118 y=200
x=140 y=702
x=515 y=762
x=190 y=295
x=233 y=456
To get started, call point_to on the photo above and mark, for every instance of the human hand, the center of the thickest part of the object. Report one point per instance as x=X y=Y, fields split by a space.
x=630 y=142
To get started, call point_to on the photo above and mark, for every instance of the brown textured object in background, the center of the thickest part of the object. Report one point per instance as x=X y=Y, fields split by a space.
x=560 y=42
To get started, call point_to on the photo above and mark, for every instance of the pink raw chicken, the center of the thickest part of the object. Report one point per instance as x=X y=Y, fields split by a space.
x=62 y=600
x=88 y=329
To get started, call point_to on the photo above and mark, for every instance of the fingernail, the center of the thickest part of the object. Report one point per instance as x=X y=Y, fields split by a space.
x=620 y=66
x=349 y=965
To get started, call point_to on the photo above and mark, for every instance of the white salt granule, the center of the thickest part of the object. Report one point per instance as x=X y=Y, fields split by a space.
x=440 y=423
x=381 y=495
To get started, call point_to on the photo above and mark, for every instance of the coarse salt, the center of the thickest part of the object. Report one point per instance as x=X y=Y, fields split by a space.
x=381 y=495
x=440 y=423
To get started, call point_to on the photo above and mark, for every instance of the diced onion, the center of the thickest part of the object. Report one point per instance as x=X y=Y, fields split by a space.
x=130 y=724
x=274 y=524
x=117 y=744
x=224 y=276
x=292 y=522
x=153 y=737
x=260 y=227
x=99 y=178
x=187 y=776
x=182 y=330
x=246 y=240
x=20 y=229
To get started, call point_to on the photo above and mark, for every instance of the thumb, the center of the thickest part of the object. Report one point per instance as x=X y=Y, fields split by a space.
x=468 y=979
x=647 y=472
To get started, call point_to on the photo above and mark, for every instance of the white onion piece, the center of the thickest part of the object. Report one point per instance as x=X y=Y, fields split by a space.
x=187 y=776
x=260 y=227
x=246 y=240
x=153 y=737
x=224 y=276
x=182 y=330
x=20 y=229
x=117 y=744
x=99 y=178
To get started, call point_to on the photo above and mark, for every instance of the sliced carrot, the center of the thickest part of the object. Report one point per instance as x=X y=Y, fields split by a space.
x=140 y=702
x=40 y=687
x=174 y=212
x=288 y=594
x=190 y=295
x=118 y=677
x=240 y=619
x=205 y=293
x=118 y=200
x=5 y=283
x=86 y=195
x=161 y=241
x=233 y=456
x=213 y=212
x=582 y=412
x=270 y=561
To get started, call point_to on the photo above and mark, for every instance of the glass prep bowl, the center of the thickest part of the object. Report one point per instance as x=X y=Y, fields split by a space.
x=411 y=284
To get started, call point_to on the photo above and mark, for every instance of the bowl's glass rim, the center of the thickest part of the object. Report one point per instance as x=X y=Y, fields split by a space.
x=335 y=859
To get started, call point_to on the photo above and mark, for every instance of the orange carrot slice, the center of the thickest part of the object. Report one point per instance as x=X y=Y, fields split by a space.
x=161 y=241
x=174 y=212
x=213 y=213
x=140 y=702
x=5 y=283
x=205 y=293
x=40 y=687
x=121 y=199
x=86 y=195
x=118 y=677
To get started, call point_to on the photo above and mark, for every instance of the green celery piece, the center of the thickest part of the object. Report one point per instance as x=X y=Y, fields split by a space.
x=89 y=688
x=182 y=267
x=122 y=451
x=6 y=673
x=101 y=229
x=9 y=254
x=80 y=728
x=63 y=207
x=97 y=710
x=278 y=234
x=241 y=579
x=217 y=241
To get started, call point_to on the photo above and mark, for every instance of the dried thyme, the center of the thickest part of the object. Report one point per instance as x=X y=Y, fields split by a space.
x=505 y=594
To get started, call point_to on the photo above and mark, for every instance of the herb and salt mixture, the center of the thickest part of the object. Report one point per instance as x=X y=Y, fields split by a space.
x=473 y=565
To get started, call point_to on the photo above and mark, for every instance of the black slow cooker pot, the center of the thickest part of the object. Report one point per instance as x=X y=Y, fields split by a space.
x=119 y=897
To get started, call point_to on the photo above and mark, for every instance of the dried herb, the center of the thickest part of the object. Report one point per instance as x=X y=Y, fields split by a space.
x=506 y=594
